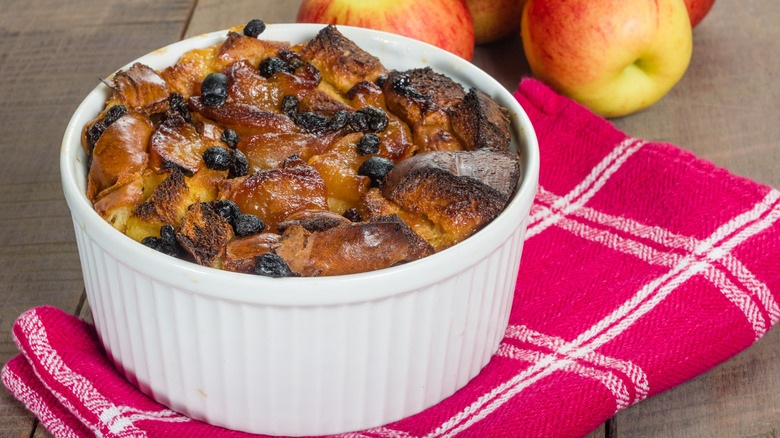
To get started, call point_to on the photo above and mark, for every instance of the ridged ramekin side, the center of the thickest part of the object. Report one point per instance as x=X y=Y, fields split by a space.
x=300 y=369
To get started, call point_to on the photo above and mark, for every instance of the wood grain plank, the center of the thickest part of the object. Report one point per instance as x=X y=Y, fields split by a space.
x=51 y=54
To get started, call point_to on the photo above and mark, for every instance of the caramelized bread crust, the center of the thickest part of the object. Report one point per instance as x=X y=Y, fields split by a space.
x=315 y=153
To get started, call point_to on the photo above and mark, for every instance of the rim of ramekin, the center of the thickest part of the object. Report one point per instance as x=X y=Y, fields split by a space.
x=309 y=291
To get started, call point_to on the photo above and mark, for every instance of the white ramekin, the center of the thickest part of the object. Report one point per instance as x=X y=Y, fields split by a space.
x=303 y=356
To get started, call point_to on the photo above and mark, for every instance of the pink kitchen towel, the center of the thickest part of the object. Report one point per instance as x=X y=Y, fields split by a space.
x=643 y=267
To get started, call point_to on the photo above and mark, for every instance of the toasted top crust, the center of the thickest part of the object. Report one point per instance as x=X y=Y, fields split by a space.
x=351 y=167
x=340 y=60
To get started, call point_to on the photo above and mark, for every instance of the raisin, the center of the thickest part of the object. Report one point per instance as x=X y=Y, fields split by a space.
x=114 y=113
x=168 y=234
x=368 y=144
x=292 y=59
x=218 y=158
x=272 y=65
x=290 y=105
x=239 y=166
x=339 y=120
x=353 y=215
x=227 y=209
x=214 y=89
x=163 y=245
x=176 y=103
x=376 y=168
x=230 y=138
x=247 y=224
x=380 y=81
x=376 y=119
x=152 y=242
x=358 y=121
x=272 y=265
x=312 y=122
x=254 y=28
x=94 y=132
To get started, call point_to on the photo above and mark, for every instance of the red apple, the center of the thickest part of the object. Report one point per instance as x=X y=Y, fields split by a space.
x=697 y=9
x=444 y=23
x=613 y=56
x=495 y=19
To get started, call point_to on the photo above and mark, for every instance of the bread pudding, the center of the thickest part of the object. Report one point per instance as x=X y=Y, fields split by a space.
x=314 y=159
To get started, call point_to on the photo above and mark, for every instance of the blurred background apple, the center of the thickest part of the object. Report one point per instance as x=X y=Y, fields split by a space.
x=496 y=19
x=444 y=23
x=697 y=9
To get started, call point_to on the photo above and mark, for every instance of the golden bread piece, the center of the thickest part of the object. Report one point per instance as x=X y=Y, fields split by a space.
x=396 y=139
x=460 y=190
x=479 y=122
x=276 y=194
x=313 y=221
x=243 y=118
x=139 y=89
x=166 y=205
x=185 y=76
x=373 y=205
x=351 y=248
x=241 y=253
x=119 y=153
x=239 y=47
x=340 y=61
x=422 y=98
x=339 y=170
x=176 y=143
x=204 y=234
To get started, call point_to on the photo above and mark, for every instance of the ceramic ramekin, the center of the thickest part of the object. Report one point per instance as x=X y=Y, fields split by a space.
x=303 y=356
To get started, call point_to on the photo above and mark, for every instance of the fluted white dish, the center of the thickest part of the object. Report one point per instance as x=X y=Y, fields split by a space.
x=303 y=356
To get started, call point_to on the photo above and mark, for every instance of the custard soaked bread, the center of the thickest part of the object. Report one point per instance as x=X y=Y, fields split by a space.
x=306 y=160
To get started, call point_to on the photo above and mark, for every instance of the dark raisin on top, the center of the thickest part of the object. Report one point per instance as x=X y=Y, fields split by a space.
x=254 y=28
x=272 y=265
x=239 y=166
x=218 y=158
x=339 y=120
x=166 y=243
x=227 y=209
x=272 y=65
x=376 y=168
x=376 y=119
x=248 y=224
x=114 y=113
x=230 y=138
x=214 y=89
x=93 y=134
x=358 y=121
x=312 y=122
x=293 y=60
x=368 y=144
x=177 y=104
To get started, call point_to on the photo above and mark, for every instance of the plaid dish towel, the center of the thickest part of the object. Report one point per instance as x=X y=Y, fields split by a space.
x=643 y=267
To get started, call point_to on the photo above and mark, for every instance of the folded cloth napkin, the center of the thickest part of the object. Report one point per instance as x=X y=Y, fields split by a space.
x=643 y=267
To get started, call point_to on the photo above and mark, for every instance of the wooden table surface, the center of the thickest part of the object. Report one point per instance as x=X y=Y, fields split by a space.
x=725 y=109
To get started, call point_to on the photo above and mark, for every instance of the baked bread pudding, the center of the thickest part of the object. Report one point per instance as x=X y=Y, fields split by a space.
x=313 y=159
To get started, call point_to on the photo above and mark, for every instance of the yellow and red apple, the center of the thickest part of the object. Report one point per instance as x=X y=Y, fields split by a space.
x=613 y=56
x=495 y=19
x=444 y=23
